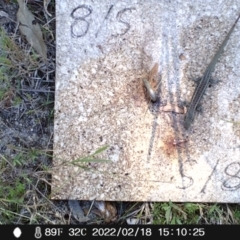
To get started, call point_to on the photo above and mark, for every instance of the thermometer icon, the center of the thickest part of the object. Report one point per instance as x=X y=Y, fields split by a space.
x=38 y=233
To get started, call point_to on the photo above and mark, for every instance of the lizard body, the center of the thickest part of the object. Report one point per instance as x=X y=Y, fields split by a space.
x=204 y=81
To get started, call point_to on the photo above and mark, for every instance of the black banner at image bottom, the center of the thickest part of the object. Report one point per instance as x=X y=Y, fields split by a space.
x=114 y=231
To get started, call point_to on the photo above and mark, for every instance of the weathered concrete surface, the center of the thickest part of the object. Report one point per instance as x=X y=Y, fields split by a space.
x=103 y=52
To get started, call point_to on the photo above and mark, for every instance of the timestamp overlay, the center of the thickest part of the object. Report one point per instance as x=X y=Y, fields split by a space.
x=105 y=49
x=137 y=231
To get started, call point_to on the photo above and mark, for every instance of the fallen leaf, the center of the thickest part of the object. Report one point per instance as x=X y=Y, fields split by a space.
x=3 y=14
x=9 y=97
x=31 y=29
x=45 y=4
x=107 y=211
x=77 y=211
x=172 y=108
x=153 y=72
x=132 y=221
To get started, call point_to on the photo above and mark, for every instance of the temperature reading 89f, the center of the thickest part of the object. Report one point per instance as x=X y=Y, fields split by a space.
x=53 y=232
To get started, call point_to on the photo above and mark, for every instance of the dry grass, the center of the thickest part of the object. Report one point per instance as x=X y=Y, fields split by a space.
x=26 y=130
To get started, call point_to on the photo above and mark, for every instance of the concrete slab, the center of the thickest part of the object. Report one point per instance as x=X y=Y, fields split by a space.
x=104 y=50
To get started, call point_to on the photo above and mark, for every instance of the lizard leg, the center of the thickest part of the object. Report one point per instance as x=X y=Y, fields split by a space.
x=199 y=108
x=196 y=80
x=212 y=82
x=183 y=104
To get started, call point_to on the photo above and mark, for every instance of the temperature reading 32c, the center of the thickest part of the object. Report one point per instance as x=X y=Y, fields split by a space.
x=77 y=232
